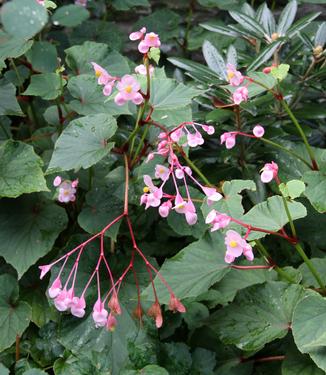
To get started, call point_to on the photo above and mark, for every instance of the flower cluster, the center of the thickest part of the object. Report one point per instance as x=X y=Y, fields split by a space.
x=106 y=307
x=147 y=40
x=229 y=138
x=66 y=189
x=153 y=195
x=128 y=87
x=235 y=79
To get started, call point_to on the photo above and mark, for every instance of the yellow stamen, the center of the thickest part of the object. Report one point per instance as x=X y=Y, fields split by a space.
x=146 y=189
x=233 y=243
x=98 y=73
x=230 y=74
x=128 y=89
x=161 y=171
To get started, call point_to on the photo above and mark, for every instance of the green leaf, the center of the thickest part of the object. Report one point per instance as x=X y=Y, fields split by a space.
x=205 y=73
x=292 y=189
x=264 y=55
x=220 y=29
x=248 y=23
x=258 y=315
x=29 y=226
x=8 y=102
x=73 y=365
x=231 y=55
x=90 y=98
x=128 y=4
x=100 y=209
x=296 y=363
x=320 y=37
x=266 y=19
x=222 y=4
x=308 y=279
x=11 y=46
x=287 y=17
x=154 y=54
x=79 y=59
x=70 y=15
x=280 y=72
x=193 y=270
x=46 y=85
x=147 y=370
x=309 y=328
x=34 y=371
x=23 y=18
x=43 y=57
x=14 y=314
x=214 y=60
x=83 y=143
x=316 y=189
x=271 y=215
x=301 y=24
x=3 y=370
x=20 y=170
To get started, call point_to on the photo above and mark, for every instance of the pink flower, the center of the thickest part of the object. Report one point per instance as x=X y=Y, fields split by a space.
x=78 y=307
x=63 y=301
x=44 y=270
x=111 y=323
x=114 y=305
x=152 y=194
x=100 y=315
x=186 y=208
x=195 y=139
x=236 y=246
x=136 y=35
x=208 y=129
x=258 y=131
x=57 y=181
x=229 y=139
x=180 y=172
x=165 y=208
x=155 y=312
x=212 y=195
x=240 y=95
x=66 y=192
x=269 y=172
x=128 y=90
x=162 y=172
x=141 y=69
x=55 y=288
x=103 y=77
x=41 y=2
x=234 y=76
x=176 y=135
x=75 y=183
x=150 y=40
x=175 y=305
x=218 y=220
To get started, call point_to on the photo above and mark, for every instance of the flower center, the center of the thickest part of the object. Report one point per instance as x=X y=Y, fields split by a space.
x=146 y=189
x=128 y=89
x=230 y=74
x=98 y=73
x=233 y=243
x=181 y=205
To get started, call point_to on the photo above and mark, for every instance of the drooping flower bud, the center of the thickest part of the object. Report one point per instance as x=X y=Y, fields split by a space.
x=155 y=312
x=175 y=305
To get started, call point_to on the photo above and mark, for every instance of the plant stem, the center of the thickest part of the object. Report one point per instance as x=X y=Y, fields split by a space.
x=264 y=252
x=288 y=214
x=140 y=144
x=277 y=145
x=310 y=266
x=20 y=80
x=17 y=348
x=314 y=165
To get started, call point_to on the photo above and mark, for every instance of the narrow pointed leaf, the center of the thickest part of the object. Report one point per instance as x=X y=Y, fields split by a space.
x=301 y=24
x=287 y=17
x=214 y=59
x=265 y=55
x=320 y=38
x=265 y=17
x=248 y=23
x=219 y=29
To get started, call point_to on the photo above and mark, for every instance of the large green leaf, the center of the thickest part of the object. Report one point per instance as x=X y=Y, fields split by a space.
x=8 y=102
x=79 y=59
x=308 y=279
x=264 y=55
x=43 y=57
x=287 y=17
x=23 y=18
x=316 y=189
x=83 y=143
x=258 y=315
x=214 y=60
x=309 y=328
x=271 y=215
x=193 y=270
x=127 y=4
x=90 y=98
x=20 y=170
x=28 y=228
x=70 y=15
x=46 y=85
x=14 y=314
x=11 y=46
